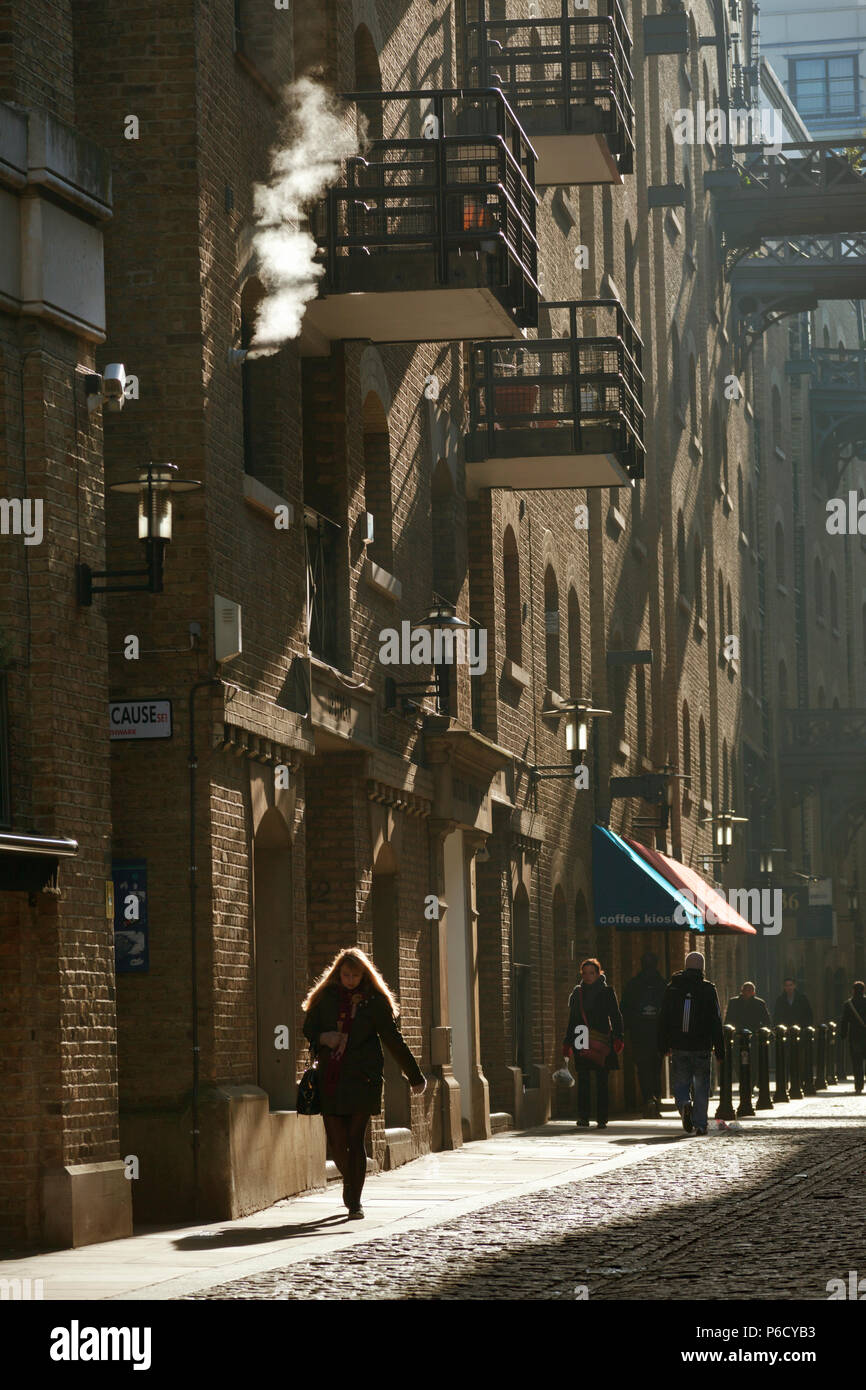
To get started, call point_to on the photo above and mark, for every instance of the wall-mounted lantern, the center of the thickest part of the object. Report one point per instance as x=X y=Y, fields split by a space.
x=577 y=714
x=154 y=487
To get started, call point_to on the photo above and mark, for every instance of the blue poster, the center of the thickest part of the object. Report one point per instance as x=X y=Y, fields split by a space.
x=130 y=917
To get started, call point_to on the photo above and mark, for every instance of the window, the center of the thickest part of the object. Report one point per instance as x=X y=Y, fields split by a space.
x=702 y=758
x=443 y=503
x=698 y=578
x=676 y=372
x=719 y=448
x=780 y=554
x=260 y=394
x=751 y=531
x=575 y=676
x=5 y=794
x=377 y=480
x=723 y=632
x=513 y=616
x=551 y=630
x=694 y=423
x=834 y=603
x=824 y=86
x=726 y=790
x=687 y=744
x=630 y=268
x=730 y=606
x=682 y=576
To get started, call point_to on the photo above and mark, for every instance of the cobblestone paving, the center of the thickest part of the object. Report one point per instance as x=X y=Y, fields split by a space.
x=771 y=1212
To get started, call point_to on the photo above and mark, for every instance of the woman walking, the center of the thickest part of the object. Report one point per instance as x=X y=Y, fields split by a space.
x=592 y=1007
x=348 y=1010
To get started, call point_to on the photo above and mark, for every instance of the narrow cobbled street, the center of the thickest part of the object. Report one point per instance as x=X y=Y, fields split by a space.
x=773 y=1210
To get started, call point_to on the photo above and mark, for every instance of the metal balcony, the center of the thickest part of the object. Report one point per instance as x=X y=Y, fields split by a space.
x=837 y=396
x=811 y=189
x=430 y=235
x=569 y=80
x=558 y=412
x=792 y=275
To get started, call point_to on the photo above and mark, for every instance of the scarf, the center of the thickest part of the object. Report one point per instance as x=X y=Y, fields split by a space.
x=348 y=1007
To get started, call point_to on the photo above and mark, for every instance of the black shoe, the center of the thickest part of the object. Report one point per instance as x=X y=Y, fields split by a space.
x=687 y=1117
x=602 y=1124
x=582 y=1124
x=700 y=1131
x=357 y=1214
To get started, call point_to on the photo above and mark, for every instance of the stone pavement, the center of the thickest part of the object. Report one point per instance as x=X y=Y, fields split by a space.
x=637 y=1211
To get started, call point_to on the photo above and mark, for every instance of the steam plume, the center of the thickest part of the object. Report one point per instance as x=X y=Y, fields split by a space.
x=314 y=140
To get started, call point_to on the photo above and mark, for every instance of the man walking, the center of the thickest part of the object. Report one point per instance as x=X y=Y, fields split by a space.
x=641 y=1005
x=746 y=1010
x=792 y=1006
x=853 y=1027
x=690 y=1027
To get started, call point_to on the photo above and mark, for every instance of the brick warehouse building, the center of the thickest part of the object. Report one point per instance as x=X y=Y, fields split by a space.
x=302 y=802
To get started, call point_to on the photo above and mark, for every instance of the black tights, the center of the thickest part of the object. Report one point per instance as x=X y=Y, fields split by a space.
x=346 y=1138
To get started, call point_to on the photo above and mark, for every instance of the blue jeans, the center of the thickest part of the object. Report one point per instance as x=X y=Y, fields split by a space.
x=690 y=1079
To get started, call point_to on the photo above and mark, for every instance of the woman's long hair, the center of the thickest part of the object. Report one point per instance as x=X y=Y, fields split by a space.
x=331 y=975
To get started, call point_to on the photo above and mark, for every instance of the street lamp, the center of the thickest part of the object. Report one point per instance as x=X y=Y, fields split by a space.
x=577 y=716
x=154 y=487
x=440 y=617
x=724 y=833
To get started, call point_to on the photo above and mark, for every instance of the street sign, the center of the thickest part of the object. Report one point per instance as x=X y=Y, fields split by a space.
x=135 y=720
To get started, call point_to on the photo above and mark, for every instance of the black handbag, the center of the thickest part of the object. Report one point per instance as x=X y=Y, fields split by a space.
x=309 y=1102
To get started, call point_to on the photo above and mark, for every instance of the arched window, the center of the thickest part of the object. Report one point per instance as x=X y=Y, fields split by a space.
x=776 y=406
x=698 y=577
x=719 y=448
x=702 y=759
x=443 y=511
x=818 y=585
x=551 y=630
x=694 y=422
x=377 y=480
x=575 y=666
x=687 y=742
x=834 y=602
x=780 y=553
x=513 y=609
x=682 y=569
x=640 y=696
x=676 y=371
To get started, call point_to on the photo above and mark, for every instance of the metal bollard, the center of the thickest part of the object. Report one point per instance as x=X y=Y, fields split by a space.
x=821 y=1059
x=725 y=1107
x=795 y=1090
x=765 y=1100
x=807 y=1053
x=745 y=1106
x=836 y=1070
x=781 y=1064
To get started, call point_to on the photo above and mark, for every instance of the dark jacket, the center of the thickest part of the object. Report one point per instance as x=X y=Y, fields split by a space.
x=850 y=1027
x=748 y=1013
x=642 y=1001
x=691 y=1020
x=798 y=1011
x=602 y=1015
x=359 y=1090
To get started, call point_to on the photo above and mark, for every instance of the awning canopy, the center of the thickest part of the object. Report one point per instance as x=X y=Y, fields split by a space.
x=716 y=914
x=631 y=895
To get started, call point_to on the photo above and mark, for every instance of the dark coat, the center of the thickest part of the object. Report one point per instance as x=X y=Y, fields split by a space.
x=703 y=1016
x=359 y=1089
x=748 y=1013
x=798 y=1011
x=850 y=1027
x=602 y=1015
x=641 y=1005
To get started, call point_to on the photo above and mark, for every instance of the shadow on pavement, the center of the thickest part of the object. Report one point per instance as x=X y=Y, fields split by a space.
x=224 y=1239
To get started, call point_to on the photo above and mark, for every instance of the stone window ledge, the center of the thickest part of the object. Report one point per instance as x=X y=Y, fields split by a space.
x=263 y=499
x=516 y=674
x=379 y=579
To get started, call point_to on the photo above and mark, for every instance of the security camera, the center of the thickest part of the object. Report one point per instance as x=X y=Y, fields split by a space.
x=113 y=384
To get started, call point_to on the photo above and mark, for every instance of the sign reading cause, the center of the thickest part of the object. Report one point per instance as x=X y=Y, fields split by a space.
x=138 y=719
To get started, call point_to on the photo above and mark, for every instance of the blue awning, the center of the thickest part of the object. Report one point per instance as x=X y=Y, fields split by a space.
x=631 y=895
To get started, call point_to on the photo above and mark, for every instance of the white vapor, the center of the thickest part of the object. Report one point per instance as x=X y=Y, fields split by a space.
x=314 y=140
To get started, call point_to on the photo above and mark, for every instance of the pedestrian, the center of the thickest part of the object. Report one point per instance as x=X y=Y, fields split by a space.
x=792 y=1006
x=592 y=1006
x=347 y=1011
x=747 y=1010
x=690 y=1027
x=641 y=1005
x=853 y=1027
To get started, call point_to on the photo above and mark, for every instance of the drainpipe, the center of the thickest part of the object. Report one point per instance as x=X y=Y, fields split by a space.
x=193 y=954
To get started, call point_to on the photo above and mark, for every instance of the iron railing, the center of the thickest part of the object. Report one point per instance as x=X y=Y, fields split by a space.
x=455 y=177
x=569 y=75
x=590 y=382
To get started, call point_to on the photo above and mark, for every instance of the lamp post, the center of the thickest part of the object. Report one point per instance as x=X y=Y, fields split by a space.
x=154 y=487
x=439 y=618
